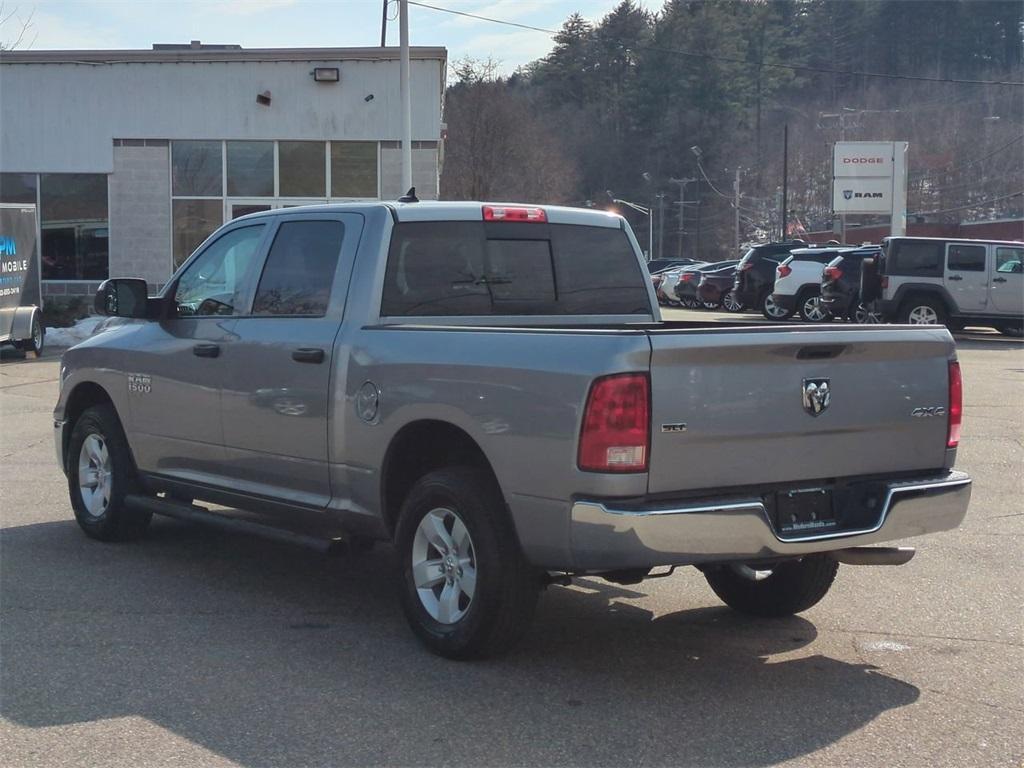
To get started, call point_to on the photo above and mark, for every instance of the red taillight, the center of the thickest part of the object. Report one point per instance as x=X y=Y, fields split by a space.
x=956 y=404
x=783 y=271
x=833 y=273
x=508 y=213
x=616 y=425
x=686 y=277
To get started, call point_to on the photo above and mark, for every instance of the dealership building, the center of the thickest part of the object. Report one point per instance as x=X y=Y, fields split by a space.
x=133 y=157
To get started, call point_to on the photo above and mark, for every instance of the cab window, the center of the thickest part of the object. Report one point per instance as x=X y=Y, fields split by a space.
x=966 y=258
x=300 y=269
x=1010 y=260
x=217 y=282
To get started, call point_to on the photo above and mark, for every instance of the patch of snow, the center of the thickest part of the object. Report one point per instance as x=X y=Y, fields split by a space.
x=80 y=331
x=886 y=645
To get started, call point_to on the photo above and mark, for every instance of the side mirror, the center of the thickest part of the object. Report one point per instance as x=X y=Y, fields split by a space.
x=122 y=297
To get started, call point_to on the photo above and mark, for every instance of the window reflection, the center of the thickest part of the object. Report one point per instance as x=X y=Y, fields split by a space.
x=251 y=168
x=192 y=222
x=196 y=168
x=301 y=168
x=74 y=226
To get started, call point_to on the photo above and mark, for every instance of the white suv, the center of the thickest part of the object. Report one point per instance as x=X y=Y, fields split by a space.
x=947 y=281
x=798 y=282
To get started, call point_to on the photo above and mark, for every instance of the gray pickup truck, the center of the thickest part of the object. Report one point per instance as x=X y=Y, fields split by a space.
x=492 y=388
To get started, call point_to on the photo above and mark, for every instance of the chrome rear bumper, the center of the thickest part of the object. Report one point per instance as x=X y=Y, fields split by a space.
x=606 y=538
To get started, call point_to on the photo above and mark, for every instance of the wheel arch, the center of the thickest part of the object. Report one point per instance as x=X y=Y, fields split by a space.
x=910 y=291
x=420 y=447
x=84 y=395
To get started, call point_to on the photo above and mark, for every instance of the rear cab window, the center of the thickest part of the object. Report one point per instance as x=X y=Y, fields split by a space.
x=477 y=268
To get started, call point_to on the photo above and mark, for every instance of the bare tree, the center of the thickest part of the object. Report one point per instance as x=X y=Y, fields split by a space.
x=14 y=30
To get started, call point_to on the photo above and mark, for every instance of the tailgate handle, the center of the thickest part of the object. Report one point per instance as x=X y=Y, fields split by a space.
x=823 y=352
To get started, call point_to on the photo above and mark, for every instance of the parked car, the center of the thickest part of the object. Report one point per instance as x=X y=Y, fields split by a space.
x=671 y=281
x=798 y=282
x=755 y=277
x=715 y=289
x=689 y=279
x=660 y=265
x=840 y=285
x=944 y=281
x=409 y=373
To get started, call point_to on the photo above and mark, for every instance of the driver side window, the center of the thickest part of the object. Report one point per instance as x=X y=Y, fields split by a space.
x=216 y=282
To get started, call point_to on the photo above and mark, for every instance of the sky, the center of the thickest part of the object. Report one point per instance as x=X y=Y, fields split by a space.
x=71 y=24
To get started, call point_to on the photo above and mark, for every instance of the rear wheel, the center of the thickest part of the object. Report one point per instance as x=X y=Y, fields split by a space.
x=711 y=304
x=922 y=311
x=773 y=311
x=864 y=316
x=1016 y=331
x=100 y=474
x=782 y=590
x=811 y=308
x=732 y=303
x=466 y=589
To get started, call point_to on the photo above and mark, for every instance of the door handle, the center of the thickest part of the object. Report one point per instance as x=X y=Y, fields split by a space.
x=206 y=350
x=955 y=277
x=308 y=355
x=999 y=280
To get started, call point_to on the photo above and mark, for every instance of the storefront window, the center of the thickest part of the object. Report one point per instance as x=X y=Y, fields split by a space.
x=250 y=168
x=192 y=222
x=73 y=220
x=354 y=169
x=18 y=188
x=196 y=168
x=302 y=170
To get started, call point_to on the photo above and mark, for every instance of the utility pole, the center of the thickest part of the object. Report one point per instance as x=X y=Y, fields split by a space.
x=661 y=225
x=682 y=210
x=736 y=206
x=785 y=177
x=384 y=23
x=406 y=97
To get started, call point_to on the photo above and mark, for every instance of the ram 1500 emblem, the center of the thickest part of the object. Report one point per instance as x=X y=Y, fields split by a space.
x=140 y=383
x=816 y=396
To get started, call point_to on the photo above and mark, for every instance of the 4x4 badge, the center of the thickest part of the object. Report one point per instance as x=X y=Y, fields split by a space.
x=816 y=396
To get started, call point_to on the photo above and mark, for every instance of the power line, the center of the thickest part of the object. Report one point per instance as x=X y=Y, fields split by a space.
x=729 y=59
x=975 y=161
x=966 y=207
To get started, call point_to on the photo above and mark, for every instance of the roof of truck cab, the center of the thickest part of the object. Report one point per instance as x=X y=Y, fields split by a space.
x=432 y=210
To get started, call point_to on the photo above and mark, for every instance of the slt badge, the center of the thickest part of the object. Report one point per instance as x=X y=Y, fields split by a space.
x=816 y=396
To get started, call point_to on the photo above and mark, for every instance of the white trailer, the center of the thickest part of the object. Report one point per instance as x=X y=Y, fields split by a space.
x=21 y=315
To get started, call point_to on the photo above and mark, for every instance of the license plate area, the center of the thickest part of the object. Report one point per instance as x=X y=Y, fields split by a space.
x=805 y=511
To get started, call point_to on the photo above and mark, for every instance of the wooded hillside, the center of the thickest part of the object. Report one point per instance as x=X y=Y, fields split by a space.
x=617 y=106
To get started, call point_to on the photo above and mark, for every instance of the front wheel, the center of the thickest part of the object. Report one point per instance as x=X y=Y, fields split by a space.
x=781 y=590
x=773 y=311
x=466 y=589
x=100 y=474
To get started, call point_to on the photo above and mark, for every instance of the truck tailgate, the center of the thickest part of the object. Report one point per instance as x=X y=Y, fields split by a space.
x=728 y=405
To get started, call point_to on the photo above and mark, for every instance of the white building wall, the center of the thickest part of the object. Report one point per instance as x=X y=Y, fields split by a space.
x=140 y=213
x=62 y=117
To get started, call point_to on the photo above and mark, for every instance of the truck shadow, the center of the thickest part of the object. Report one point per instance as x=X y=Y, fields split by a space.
x=268 y=655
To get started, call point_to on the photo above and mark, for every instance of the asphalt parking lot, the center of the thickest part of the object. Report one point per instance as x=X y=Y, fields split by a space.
x=195 y=648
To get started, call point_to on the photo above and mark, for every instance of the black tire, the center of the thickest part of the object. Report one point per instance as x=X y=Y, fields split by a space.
x=712 y=305
x=1015 y=331
x=792 y=587
x=115 y=522
x=806 y=305
x=912 y=310
x=36 y=340
x=765 y=304
x=507 y=586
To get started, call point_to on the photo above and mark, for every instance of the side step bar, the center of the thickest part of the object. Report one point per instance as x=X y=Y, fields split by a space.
x=195 y=514
x=873 y=555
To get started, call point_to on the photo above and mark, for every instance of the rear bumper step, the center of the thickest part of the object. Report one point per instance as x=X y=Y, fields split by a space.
x=873 y=555
x=195 y=514
x=606 y=537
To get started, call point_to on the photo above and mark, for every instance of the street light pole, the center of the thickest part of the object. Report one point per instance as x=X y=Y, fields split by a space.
x=649 y=213
x=736 y=205
x=406 y=97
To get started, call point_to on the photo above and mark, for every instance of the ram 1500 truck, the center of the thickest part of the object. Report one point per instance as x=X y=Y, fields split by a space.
x=492 y=388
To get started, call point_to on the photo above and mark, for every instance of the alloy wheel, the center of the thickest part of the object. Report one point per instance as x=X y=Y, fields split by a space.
x=772 y=309
x=923 y=315
x=814 y=310
x=444 y=565
x=95 y=471
x=731 y=303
